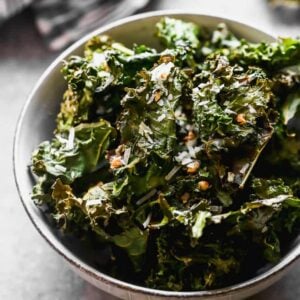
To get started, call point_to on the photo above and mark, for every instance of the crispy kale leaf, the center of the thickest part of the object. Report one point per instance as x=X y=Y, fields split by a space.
x=176 y=33
x=106 y=65
x=272 y=56
x=148 y=110
x=182 y=38
x=97 y=211
x=283 y=152
x=234 y=120
x=256 y=225
x=69 y=156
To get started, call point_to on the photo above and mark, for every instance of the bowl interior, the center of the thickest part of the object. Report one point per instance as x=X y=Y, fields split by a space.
x=37 y=120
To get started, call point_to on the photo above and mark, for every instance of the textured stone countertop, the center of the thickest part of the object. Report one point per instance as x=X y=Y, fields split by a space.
x=29 y=268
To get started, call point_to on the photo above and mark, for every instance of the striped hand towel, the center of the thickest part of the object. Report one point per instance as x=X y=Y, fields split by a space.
x=62 y=22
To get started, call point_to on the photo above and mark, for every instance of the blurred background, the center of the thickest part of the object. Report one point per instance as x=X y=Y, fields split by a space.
x=32 y=34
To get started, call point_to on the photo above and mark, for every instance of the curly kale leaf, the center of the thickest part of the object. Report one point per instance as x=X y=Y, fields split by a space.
x=182 y=38
x=106 y=65
x=233 y=110
x=70 y=156
x=230 y=101
x=275 y=210
x=132 y=60
x=265 y=189
x=133 y=180
x=272 y=56
x=283 y=152
x=291 y=113
x=221 y=37
x=148 y=127
x=74 y=109
x=286 y=79
x=134 y=242
x=180 y=267
x=96 y=211
x=200 y=222
x=267 y=193
x=256 y=227
x=148 y=112
x=176 y=33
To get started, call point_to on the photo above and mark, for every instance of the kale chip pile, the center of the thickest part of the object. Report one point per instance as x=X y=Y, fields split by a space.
x=182 y=164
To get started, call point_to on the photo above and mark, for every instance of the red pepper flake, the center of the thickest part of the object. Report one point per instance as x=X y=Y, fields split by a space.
x=203 y=185
x=157 y=95
x=115 y=162
x=240 y=118
x=185 y=197
x=190 y=136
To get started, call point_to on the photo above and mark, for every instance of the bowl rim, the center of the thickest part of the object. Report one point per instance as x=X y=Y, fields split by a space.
x=67 y=254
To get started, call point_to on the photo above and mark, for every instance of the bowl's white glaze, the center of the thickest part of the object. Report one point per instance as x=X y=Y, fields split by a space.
x=37 y=122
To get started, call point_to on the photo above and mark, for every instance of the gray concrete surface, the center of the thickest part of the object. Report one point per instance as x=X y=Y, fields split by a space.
x=29 y=268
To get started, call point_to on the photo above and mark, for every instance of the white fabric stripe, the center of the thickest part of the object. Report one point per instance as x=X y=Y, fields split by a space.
x=10 y=7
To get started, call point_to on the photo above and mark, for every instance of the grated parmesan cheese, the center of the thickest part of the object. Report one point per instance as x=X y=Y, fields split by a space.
x=252 y=110
x=147 y=221
x=161 y=117
x=145 y=130
x=146 y=197
x=244 y=169
x=98 y=60
x=170 y=175
x=186 y=161
x=230 y=177
x=191 y=148
x=170 y=97
x=126 y=156
x=93 y=202
x=161 y=72
x=60 y=168
x=160 y=102
x=70 y=142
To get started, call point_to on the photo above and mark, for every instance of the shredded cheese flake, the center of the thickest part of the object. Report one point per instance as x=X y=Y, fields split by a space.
x=70 y=142
x=126 y=156
x=230 y=177
x=145 y=130
x=147 y=221
x=60 y=168
x=93 y=202
x=244 y=168
x=161 y=72
x=171 y=174
x=146 y=197
x=98 y=60
x=187 y=161
x=161 y=117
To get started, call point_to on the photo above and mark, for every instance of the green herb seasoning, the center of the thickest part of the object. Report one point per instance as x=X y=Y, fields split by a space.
x=181 y=166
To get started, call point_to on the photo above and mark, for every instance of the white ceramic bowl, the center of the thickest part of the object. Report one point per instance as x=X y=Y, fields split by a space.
x=37 y=122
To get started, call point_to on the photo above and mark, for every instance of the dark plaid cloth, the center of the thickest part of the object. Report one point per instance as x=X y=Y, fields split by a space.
x=10 y=7
x=63 y=21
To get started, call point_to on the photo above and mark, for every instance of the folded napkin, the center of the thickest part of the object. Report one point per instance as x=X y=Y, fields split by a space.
x=62 y=22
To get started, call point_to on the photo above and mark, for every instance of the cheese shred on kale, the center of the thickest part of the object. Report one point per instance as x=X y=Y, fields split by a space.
x=182 y=164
